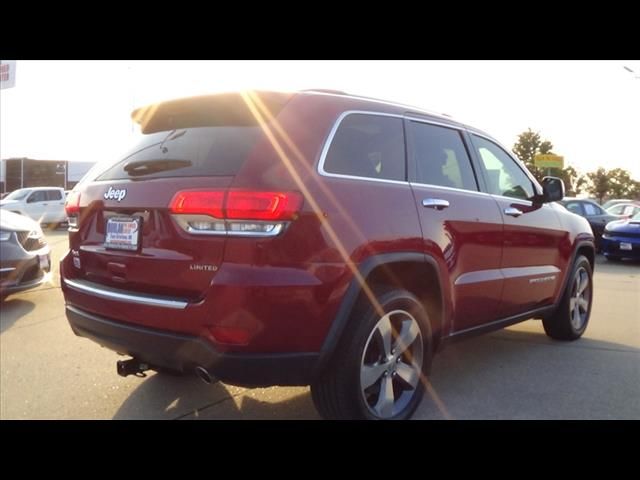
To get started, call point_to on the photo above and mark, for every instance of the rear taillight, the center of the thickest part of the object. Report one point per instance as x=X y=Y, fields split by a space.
x=196 y=202
x=234 y=212
x=72 y=208
x=262 y=205
x=72 y=204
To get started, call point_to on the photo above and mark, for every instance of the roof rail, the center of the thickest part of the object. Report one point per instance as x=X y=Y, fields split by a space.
x=325 y=90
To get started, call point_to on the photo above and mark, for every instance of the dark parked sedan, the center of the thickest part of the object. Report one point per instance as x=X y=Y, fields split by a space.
x=25 y=257
x=594 y=213
x=621 y=239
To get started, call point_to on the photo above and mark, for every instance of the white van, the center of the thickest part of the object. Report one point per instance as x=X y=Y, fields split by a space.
x=43 y=204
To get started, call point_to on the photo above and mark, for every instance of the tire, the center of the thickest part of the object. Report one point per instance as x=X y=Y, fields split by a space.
x=394 y=372
x=571 y=318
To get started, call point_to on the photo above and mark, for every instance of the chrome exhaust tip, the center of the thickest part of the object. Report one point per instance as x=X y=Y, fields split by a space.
x=204 y=375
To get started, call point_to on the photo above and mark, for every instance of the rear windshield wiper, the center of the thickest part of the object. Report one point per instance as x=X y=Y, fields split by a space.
x=172 y=136
x=147 y=167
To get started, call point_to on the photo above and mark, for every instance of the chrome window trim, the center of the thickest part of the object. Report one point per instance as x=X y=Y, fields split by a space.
x=7 y=269
x=513 y=157
x=334 y=129
x=327 y=144
x=493 y=140
x=329 y=140
x=126 y=297
x=453 y=189
x=434 y=122
x=460 y=130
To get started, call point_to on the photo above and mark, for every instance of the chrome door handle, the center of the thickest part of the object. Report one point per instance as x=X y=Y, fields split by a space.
x=513 y=212
x=436 y=203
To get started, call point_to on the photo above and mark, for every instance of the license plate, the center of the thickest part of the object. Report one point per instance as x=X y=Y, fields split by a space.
x=123 y=233
x=625 y=246
x=44 y=262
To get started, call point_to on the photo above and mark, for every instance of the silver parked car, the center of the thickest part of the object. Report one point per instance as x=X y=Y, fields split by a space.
x=25 y=257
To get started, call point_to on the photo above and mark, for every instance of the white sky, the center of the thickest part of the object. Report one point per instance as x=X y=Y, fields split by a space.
x=80 y=110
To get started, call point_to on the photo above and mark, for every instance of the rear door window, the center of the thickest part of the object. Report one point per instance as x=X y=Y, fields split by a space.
x=367 y=145
x=440 y=157
x=54 y=195
x=190 y=152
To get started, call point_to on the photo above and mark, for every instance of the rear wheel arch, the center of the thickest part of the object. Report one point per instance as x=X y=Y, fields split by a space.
x=585 y=248
x=588 y=250
x=405 y=270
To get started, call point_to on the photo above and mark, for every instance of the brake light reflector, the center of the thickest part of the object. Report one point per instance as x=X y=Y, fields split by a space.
x=230 y=335
x=249 y=205
x=198 y=203
x=72 y=204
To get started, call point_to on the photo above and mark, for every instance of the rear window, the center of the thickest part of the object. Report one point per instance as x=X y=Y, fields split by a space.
x=190 y=152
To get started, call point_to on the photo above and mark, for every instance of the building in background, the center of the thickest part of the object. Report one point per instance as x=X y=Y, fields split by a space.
x=27 y=172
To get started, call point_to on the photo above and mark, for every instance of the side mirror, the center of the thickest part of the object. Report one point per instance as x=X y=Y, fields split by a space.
x=553 y=189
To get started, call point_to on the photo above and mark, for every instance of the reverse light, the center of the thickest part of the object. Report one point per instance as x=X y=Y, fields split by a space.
x=72 y=204
x=234 y=212
x=72 y=208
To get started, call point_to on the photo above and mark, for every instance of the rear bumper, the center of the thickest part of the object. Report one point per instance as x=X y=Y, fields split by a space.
x=185 y=352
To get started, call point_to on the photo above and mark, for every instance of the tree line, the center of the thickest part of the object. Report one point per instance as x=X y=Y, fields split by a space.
x=600 y=184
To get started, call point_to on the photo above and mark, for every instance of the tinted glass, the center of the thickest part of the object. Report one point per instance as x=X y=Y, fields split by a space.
x=504 y=176
x=441 y=157
x=54 y=195
x=591 y=209
x=38 y=196
x=192 y=152
x=368 y=146
x=574 y=207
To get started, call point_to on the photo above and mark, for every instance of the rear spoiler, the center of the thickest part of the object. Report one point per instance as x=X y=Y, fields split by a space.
x=228 y=109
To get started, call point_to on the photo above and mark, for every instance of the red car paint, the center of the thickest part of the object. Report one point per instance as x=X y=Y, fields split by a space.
x=281 y=294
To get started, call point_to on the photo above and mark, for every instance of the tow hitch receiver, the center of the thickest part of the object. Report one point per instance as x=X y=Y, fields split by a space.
x=132 y=367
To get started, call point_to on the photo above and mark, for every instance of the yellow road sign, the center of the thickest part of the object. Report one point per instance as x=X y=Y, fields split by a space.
x=548 y=160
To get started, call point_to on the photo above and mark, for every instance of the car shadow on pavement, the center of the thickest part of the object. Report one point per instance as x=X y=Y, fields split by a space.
x=525 y=375
x=168 y=397
x=11 y=310
x=508 y=374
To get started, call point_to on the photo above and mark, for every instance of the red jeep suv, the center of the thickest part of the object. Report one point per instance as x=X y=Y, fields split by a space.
x=316 y=238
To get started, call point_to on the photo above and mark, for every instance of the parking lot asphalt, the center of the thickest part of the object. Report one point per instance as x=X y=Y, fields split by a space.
x=517 y=373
